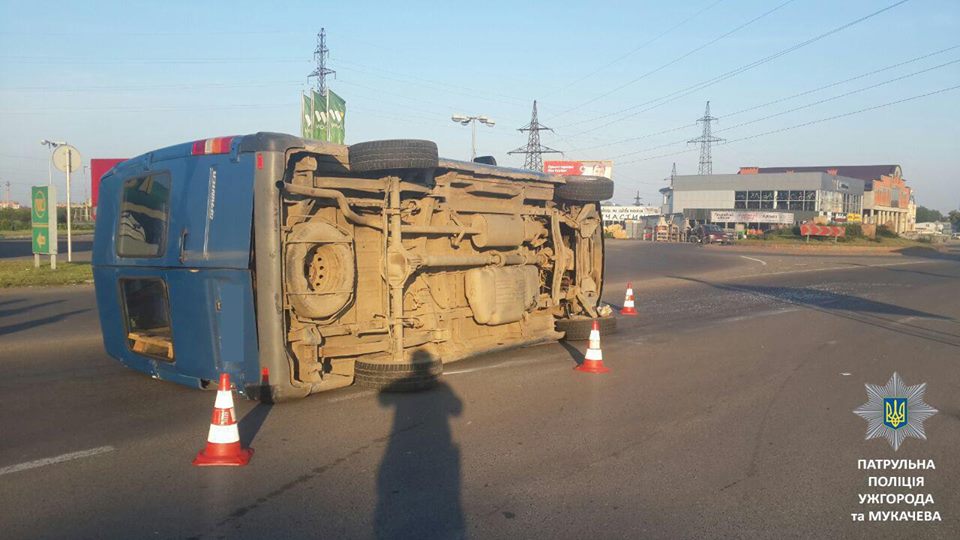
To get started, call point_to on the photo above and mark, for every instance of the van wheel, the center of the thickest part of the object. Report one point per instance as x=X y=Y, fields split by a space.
x=393 y=154
x=579 y=329
x=585 y=189
x=396 y=377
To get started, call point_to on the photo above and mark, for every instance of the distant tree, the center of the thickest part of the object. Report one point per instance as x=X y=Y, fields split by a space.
x=954 y=217
x=926 y=215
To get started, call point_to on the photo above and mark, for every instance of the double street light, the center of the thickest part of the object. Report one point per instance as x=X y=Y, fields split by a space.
x=52 y=145
x=472 y=120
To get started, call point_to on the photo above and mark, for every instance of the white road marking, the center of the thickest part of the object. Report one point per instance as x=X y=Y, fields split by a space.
x=752 y=259
x=57 y=459
x=845 y=374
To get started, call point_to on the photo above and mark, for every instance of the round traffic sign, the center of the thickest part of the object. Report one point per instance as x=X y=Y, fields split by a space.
x=66 y=158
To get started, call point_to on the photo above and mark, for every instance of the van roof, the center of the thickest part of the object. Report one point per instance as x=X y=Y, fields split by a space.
x=268 y=141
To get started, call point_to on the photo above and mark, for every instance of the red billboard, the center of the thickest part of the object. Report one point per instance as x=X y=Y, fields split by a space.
x=98 y=168
x=581 y=167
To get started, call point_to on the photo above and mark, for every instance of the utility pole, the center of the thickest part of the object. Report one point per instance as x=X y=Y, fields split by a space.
x=705 y=140
x=534 y=150
x=8 y=192
x=320 y=55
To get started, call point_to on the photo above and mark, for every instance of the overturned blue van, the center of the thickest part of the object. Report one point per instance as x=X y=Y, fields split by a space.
x=299 y=266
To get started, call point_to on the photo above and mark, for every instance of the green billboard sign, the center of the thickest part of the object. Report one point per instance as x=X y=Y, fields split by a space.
x=43 y=217
x=323 y=116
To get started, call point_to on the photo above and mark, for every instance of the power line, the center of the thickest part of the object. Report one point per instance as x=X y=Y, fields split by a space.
x=724 y=76
x=674 y=61
x=795 y=109
x=148 y=87
x=639 y=47
x=116 y=61
x=809 y=123
x=773 y=102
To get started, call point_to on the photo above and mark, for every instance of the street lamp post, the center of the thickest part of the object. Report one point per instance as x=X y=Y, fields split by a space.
x=52 y=145
x=464 y=120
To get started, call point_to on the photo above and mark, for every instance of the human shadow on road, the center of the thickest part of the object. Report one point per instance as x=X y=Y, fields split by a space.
x=849 y=307
x=418 y=484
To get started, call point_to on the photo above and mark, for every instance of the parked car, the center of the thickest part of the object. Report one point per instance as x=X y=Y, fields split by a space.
x=710 y=233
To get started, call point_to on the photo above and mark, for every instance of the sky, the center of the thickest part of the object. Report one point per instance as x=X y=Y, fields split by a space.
x=795 y=82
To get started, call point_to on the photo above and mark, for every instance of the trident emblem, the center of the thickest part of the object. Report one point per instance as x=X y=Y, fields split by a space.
x=894 y=412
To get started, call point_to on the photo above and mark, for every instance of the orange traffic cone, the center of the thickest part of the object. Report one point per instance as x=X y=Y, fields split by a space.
x=628 y=307
x=593 y=360
x=223 y=441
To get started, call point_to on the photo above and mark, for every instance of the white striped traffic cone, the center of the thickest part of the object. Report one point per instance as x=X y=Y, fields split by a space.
x=628 y=307
x=223 y=440
x=593 y=360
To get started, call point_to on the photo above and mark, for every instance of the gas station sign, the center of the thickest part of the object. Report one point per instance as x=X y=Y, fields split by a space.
x=43 y=217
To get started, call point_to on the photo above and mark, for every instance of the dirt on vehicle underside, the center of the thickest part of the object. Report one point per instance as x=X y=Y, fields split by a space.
x=399 y=267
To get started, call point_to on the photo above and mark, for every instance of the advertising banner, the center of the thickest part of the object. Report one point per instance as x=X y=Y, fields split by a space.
x=323 y=117
x=43 y=217
x=751 y=216
x=98 y=168
x=582 y=167
x=614 y=213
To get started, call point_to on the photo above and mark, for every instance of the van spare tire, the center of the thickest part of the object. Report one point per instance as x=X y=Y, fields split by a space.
x=585 y=189
x=420 y=374
x=393 y=154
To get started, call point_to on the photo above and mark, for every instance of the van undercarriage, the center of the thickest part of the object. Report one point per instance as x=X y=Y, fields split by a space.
x=391 y=269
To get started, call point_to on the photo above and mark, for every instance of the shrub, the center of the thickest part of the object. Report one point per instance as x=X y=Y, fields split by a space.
x=885 y=232
x=854 y=230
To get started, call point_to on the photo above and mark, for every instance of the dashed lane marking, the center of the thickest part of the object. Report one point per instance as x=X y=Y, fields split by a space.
x=53 y=460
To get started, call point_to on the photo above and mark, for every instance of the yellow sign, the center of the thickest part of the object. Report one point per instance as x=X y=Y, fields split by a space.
x=854 y=218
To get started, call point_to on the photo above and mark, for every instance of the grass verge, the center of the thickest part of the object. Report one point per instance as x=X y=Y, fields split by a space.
x=21 y=273
x=880 y=242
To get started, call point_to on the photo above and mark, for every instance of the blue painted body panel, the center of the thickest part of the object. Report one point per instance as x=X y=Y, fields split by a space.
x=209 y=279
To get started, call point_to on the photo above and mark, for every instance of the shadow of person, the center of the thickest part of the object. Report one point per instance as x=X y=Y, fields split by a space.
x=418 y=484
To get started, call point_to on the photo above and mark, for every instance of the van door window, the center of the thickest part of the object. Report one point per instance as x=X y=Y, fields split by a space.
x=147 y=314
x=144 y=213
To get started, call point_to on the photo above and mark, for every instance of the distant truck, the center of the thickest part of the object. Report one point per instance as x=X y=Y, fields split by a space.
x=299 y=266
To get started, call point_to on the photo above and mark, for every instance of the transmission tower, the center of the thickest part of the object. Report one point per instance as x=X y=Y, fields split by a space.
x=673 y=171
x=534 y=150
x=637 y=200
x=8 y=192
x=320 y=55
x=705 y=140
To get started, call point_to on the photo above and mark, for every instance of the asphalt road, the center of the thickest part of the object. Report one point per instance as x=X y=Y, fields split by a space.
x=727 y=413
x=21 y=247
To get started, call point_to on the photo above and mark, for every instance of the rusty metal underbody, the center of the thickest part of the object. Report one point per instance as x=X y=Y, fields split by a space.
x=454 y=262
